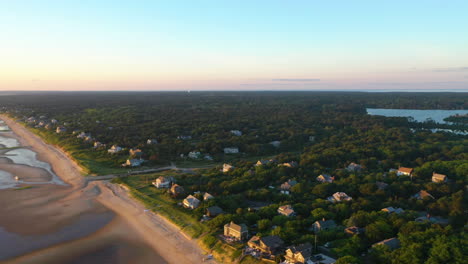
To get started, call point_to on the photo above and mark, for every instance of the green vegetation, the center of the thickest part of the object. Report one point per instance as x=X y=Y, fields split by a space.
x=23 y=188
x=322 y=132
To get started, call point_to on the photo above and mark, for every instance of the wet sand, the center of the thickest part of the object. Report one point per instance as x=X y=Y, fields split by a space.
x=81 y=222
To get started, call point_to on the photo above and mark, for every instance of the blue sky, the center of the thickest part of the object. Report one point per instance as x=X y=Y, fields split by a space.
x=231 y=45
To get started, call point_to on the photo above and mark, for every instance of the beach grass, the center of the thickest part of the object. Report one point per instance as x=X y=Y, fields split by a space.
x=23 y=188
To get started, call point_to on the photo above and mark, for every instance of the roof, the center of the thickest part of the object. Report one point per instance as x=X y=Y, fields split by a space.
x=354 y=230
x=286 y=210
x=192 y=199
x=325 y=223
x=423 y=194
x=214 y=210
x=405 y=170
x=207 y=196
x=392 y=243
x=240 y=228
x=272 y=241
x=441 y=177
x=304 y=249
x=177 y=188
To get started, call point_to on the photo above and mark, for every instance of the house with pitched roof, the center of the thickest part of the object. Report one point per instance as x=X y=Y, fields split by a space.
x=238 y=232
x=299 y=254
x=436 y=177
x=177 y=190
x=227 y=167
x=268 y=245
x=191 y=202
x=392 y=243
x=404 y=171
x=214 y=211
x=421 y=195
x=325 y=178
x=163 y=182
x=323 y=225
x=286 y=210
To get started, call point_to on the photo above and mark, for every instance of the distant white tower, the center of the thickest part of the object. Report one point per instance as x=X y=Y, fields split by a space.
x=16 y=178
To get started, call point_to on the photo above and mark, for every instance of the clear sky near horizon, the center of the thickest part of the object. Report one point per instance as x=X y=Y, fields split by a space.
x=233 y=45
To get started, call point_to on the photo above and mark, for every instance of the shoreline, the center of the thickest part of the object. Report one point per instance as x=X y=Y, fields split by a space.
x=151 y=228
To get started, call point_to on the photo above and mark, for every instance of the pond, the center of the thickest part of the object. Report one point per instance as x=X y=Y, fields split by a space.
x=418 y=115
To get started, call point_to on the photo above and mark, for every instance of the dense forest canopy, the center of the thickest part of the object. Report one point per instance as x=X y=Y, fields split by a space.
x=322 y=131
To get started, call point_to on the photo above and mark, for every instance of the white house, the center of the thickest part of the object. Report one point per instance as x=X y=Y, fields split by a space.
x=191 y=202
x=232 y=150
x=163 y=182
x=194 y=154
x=325 y=178
x=236 y=133
x=151 y=141
x=404 y=171
x=114 y=149
x=339 y=197
x=98 y=144
x=275 y=143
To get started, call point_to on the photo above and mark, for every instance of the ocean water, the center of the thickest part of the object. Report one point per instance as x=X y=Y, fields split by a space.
x=416 y=114
x=29 y=157
x=6 y=180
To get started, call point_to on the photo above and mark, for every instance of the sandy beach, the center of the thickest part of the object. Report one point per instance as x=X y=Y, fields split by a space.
x=80 y=221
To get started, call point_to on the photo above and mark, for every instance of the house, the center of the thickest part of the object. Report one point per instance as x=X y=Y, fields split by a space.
x=83 y=135
x=436 y=177
x=421 y=195
x=207 y=197
x=236 y=133
x=267 y=245
x=311 y=138
x=238 y=232
x=432 y=219
x=325 y=178
x=232 y=150
x=339 y=197
x=88 y=139
x=163 y=182
x=381 y=185
x=98 y=144
x=60 y=129
x=191 y=202
x=227 y=167
x=291 y=164
x=275 y=143
x=404 y=171
x=133 y=163
x=135 y=152
x=354 y=167
x=54 y=121
x=194 y=154
x=207 y=157
x=286 y=186
x=323 y=225
x=286 y=210
x=48 y=126
x=392 y=243
x=114 y=149
x=299 y=254
x=262 y=162
x=151 y=141
x=184 y=137
x=392 y=210
x=214 y=211
x=177 y=190
x=354 y=230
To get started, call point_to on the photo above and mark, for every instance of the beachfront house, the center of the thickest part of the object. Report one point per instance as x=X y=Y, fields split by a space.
x=436 y=177
x=236 y=133
x=268 y=245
x=83 y=135
x=323 y=225
x=176 y=190
x=231 y=150
x=262 y=162
x=191 y=202
x=214 y=211
x=60 y=129
x=235 y=231
x=325 y=178
x=299 y=254
x=403 y=171
x=163 y=182
x=286 y=210
x=114 y=149
x=227 y=167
